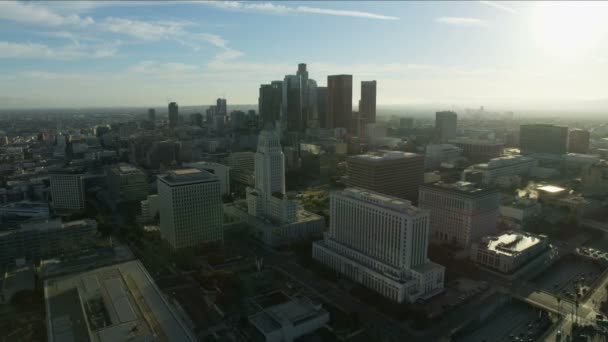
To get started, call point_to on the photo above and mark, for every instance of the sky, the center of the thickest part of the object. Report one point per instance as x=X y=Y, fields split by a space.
x=146 y=53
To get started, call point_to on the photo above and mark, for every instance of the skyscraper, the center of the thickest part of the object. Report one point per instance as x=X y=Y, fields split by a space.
x=578 y=141
x=367 y=104
x=543 y=138
x=191 y=210
x=322 y=107
x=380 y=242
x=222 y=108
x=460 y=212
x=269 y=102
x=291 y=107
x=173 y=114
x=340 y=101
x=445 y=125
x=391 y=173
x=308 y=99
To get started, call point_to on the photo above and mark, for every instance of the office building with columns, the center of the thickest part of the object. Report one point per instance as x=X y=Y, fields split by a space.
x=380 y=242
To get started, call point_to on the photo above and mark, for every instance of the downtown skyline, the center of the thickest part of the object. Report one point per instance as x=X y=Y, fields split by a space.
x=509 y=54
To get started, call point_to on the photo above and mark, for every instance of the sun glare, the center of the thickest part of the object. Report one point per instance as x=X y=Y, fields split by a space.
x=570 y=30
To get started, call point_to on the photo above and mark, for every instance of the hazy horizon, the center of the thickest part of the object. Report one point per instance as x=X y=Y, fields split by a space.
x=507 y=55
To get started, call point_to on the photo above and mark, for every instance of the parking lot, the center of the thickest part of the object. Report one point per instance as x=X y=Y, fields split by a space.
x=570 y=277
x=511 y=321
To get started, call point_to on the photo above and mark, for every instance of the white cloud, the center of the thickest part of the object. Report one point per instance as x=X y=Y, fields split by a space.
x=213 y=39
x=144 y=30
x=267 y=7
x=499 y=6
x=33 y=13
x=345 y=13
x=163 y=69
x=42 y=51
x=169 y=30
x=461 y=21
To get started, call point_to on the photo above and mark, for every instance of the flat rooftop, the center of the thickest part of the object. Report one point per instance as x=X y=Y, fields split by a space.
x=112 y=303
x=381 y=199
x=512 y=243
x=462 y=187
x=127 y=169
x=550 y=189
x=293 y=312
x=499 y=162
x=385 y=155
x=473 y=141
x=190 y=175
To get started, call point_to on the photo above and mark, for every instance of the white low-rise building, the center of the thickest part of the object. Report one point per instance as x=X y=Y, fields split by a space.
x=516 y=165
x=510 y=252
x=380 y=242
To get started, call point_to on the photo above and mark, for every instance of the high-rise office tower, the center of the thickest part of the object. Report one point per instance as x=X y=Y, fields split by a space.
x=445 y=125
x=191 y=210
x=152 y=115
x=298 y=102
x=291 y=108
x=380 y=242
x=543 y=138
x=578 y=141
x=268 y=198
x=269 y=102
x=222 y=108
x=340 y=101
x=461 y=213
x=308 y=99
x=311 y=112
x=391 y=173
x=367 y=104
x=67 y=190
x=322 y=107
x=173 y=114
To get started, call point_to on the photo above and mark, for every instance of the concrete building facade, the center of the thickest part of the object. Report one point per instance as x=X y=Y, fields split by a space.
x=460 y=213
x=543 y=138
x=191 y=210
x=391 y=173
x=127 y=183
x=67 y=190
x=445 y=125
